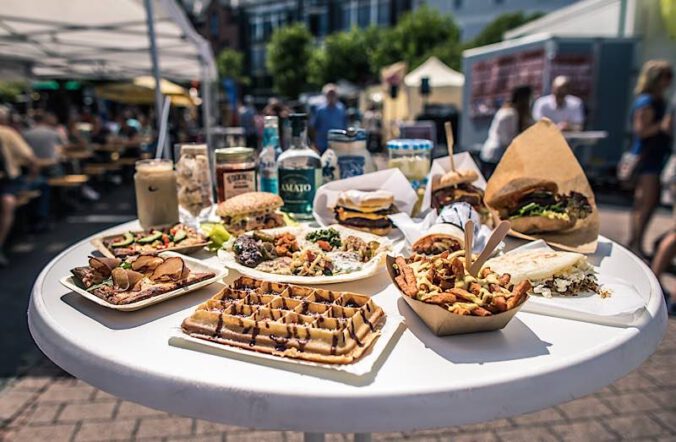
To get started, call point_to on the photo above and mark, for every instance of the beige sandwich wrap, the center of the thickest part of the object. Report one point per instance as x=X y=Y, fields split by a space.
x=542 y=152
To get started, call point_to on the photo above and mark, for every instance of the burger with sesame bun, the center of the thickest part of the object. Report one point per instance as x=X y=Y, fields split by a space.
x=251 y=211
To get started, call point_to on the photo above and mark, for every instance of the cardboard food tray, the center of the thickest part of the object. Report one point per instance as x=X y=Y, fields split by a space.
x=542 y=152
x=362 y=366
x=194 y=265
x=444 y=323
x=99 y=244
x=369 y=268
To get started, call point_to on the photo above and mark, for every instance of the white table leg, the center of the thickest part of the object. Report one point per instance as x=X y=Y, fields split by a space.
x=362 y=437
x=313 y=437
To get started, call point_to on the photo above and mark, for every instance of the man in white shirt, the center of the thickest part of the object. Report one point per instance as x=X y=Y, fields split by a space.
x=564 y=110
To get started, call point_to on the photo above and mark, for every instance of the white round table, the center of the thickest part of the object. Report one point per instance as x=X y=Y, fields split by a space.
x=424 y=382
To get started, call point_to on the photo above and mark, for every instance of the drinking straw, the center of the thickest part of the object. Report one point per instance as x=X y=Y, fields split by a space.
x=161 y=139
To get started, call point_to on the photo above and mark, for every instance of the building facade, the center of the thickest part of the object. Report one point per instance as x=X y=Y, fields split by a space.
x=260 y=18
x=473 y=15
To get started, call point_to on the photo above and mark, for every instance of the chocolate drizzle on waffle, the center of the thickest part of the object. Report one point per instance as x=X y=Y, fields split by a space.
x=287 y=320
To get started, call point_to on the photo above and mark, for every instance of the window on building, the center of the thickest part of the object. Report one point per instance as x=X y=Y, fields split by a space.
x=457 y=4
x=314 y=24
x=258 y=58
x=346 y=17
x=213 y=24
x=499 y=2
x=364 y=13
x=384 y=12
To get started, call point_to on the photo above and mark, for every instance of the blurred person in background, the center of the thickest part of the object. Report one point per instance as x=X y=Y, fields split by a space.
x=565 y=110
x=247 y=121
x=330 y=115
x=665 y=247
x=100 y=133
x=15 y=154
x=510 y=120
x=651 y=143
x=46 y=143
x=373 y=125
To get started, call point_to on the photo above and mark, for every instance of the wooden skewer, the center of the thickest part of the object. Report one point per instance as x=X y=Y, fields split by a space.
x=469 y=241
x=496 y=237
x=450 y=142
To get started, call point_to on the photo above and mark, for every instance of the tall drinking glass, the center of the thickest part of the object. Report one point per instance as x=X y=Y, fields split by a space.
x=156 y=198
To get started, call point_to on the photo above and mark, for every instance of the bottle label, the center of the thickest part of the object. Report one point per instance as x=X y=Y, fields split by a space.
x=351 y=165
x=269 y=184
x=297 y=188
x=236 y=183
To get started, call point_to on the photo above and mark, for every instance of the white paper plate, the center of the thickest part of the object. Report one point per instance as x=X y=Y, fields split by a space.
x=361 y=367
x=624 y=305
x=369 y=269
x=194 y=265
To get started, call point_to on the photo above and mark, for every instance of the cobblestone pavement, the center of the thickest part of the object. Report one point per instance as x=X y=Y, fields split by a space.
x=41 y=402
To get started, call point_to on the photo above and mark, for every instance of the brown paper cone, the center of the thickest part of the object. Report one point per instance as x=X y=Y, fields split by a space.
x=444 y=323
x=542 y=152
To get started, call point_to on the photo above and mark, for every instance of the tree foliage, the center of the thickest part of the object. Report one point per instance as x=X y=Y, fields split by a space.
x=230 y=63
x=345 y=55
x=417 y=36
x=494 y=31
x=288 y=53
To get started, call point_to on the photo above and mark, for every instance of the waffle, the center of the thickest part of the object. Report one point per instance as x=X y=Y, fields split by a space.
x=290 y=321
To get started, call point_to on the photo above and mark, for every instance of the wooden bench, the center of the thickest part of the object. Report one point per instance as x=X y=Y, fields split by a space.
x=68 y=181
x=94 y=170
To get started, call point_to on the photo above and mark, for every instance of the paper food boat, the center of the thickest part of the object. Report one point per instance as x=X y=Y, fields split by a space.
x=444 y=323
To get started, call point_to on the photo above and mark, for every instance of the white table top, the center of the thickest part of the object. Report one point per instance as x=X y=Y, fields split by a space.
x=423 y=382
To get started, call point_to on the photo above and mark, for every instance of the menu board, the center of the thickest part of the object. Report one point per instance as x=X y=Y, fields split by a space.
x=493 y=79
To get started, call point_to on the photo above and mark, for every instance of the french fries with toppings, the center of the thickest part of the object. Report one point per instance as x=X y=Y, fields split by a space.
x=444 y=280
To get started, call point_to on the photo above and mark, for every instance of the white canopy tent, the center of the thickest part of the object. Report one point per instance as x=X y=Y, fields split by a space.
x=445 y=85
x=102 y=39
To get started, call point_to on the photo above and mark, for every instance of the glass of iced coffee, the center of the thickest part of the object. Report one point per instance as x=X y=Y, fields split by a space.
x=156 y=197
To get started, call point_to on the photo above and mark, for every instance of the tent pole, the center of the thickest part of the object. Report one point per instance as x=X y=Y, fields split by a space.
x=155 y=62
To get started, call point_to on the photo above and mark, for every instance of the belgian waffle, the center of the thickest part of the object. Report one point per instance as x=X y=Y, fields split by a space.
x=288 y=320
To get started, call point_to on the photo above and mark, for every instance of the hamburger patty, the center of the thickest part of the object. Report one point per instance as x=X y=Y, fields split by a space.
x=464 y=192
x=363 y=222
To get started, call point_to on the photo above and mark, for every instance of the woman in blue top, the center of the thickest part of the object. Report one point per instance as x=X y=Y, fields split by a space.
x=651 y=142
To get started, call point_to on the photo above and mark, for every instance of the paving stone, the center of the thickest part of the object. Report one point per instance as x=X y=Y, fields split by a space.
x=539 y=417
x=51 y=433
x=203 y=438
x=632 y=402
x=631 y=427
x=484 y=436
x=132 y=409
x=13 y=401
x=666 y=397
x=530 y=434
x=164 y=427
x=66 y=392
x=41 y=413
x=206 y=427
x=634 y=381
x=484 y=426
x=87 y=411
x=589 y=406
x=104 y=431
x=101 y=395
x=31 y=383
x=256 y=436
x=667 y=418
x=583 y=430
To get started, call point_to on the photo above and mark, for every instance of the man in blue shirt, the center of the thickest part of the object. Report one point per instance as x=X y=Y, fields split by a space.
x=330 y=115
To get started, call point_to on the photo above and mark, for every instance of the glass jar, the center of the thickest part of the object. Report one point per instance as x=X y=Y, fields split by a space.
x=235 y=171
x=412 y=157
x=156 y=197
x=353 y=158
x=194 y=185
